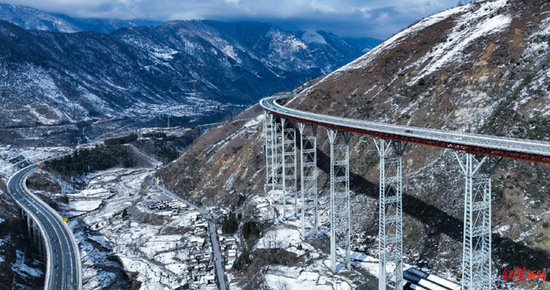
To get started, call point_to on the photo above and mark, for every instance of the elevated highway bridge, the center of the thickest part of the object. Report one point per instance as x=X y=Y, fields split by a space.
x=478 y=155
x=50 y=234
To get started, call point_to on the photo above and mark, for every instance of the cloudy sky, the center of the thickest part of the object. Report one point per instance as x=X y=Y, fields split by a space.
x=346 y=18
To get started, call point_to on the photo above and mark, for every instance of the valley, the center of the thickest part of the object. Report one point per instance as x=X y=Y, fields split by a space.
x=158 y=206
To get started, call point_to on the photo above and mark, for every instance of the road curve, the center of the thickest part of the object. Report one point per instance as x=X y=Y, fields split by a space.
x=63 y=266
x=522 y=149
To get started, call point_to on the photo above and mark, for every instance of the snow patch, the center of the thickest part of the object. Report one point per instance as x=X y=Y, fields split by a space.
x=230 y=51
x=42 y=119
x=396 y=39
x=313 y=37
x=457 y=41
x=452 y=49
x=84 y=205
x=280 y=238
x=23 y=269
x=13 y=159
x=165 y=54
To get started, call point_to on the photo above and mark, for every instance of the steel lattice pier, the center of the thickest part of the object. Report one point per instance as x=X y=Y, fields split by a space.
x=476 y=267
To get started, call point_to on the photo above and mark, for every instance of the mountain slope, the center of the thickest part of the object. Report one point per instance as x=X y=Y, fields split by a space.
x=194 y=68
x=483 y=68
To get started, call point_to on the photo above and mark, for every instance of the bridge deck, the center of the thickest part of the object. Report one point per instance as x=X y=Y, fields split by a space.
x=529 y=150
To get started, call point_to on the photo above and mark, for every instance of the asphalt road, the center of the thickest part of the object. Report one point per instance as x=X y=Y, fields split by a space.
x=63 y=266
x=212 y=232
x=522 y=149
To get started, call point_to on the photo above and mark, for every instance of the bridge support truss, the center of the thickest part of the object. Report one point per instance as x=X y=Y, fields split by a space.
x=390 y=232
x=308 y=183
x=476 y=248
x=269 y=146
x=340 y=220
x=289 y=163
x=277 y=154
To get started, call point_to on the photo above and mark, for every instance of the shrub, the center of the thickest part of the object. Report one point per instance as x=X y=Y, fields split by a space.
x=230 y=225
x=168 y=154
x=157 y=135
x=539 y=237
x=242 y=260
x=84 y=161
x=128 y=162
x=122 y=140
x=169 y=138
x=250 y=229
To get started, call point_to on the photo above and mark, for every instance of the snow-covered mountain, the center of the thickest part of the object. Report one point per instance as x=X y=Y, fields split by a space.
x=65 y=78
x=34 y=19
x=483 y=67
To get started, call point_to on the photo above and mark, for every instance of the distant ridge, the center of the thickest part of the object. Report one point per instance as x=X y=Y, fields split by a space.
x=201 y=69
x=34 y=19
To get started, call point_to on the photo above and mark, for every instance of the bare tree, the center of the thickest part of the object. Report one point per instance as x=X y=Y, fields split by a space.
x=281 y=285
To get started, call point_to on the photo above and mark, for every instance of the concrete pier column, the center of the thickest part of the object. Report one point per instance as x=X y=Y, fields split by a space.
x=40 y=244
x=36 y=233
x=30 y=227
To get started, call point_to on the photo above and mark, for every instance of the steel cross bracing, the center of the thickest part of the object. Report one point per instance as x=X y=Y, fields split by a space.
x=268 y=150
x=477 y=243
x=289 y=164
x=308 y=182
x=476 y=251
x=529 y=150
x=390 y=231
x=340 y=215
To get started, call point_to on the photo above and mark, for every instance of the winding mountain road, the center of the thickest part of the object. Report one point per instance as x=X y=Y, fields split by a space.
x=63 y=265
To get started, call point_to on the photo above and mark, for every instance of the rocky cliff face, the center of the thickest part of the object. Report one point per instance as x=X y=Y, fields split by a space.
x=482 y=68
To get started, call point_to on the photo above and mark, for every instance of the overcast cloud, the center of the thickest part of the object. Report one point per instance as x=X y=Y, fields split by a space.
x=347 y=18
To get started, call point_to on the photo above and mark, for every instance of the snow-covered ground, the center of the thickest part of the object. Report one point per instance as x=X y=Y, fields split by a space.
x=315 y=272
x=25 y=270
x=116 y=218
x=12 y=159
